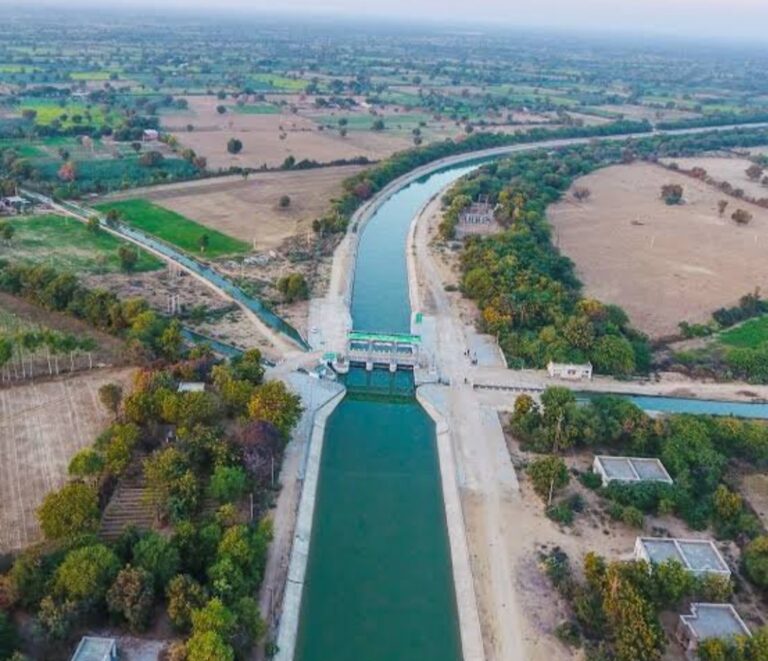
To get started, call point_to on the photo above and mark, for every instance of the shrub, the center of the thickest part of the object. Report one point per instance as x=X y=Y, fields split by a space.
x=184 y=595
x=132 y=597
x=632 y=517
x=86 y=574
x=591 y=480
x=561 y=513
x=569 y=634
x=756 y=561
x=158 y=556
x=228 y=483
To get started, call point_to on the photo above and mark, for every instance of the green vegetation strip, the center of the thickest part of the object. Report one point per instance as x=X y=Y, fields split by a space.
x=175 y=228
x=749 y=335
x=70 y=245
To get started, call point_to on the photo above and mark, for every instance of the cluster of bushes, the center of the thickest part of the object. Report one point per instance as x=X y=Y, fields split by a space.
x=293 y=287
x=720 y=119
x=209 y=562
x=615 y=610
x=362 y=186
x=694 y=449
x=148 y=334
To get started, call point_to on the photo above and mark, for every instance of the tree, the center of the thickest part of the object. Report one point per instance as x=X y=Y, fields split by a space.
x=86 y=574
x=203 y=241
x=7 y=231
x=293 y=287
x=112 y=217
x=8 y=637
x=128 y=257
x=86 y=464
x=111 y=395
x=171 y=341
x=132 y=596
x=754 y=172
x=285 y=201
x=228 y=483
x=158 y=556
x=94 y=225
x=209 y=646
x=756 y=561
x=221 y=109
x=67 y=172
x=581 y=193
x=741 y=217
x=184 y=595
x=721 y=207
x=273 y=402
x=548 y=475
x=234 y=146
x=119 y=449
x=71 y=511
x=614 y=355
x=672 y=193
x=378 y=125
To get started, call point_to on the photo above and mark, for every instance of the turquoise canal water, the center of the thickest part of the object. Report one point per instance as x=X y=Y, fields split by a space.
x=379 y=584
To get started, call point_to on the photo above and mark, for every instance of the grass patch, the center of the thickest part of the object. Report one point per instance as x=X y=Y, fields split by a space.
x=749 y=335
x=175 y=228
x=67 y=244
x=91 y=75
x=256 y=109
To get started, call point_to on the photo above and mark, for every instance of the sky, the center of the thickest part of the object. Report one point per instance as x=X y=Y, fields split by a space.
x=731 y=19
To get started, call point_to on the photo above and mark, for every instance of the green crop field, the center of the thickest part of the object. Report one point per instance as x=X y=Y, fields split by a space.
x=48 y=111
x=750 y=334
x=277 y=82
x=256 y=109
x=68 y=244
x=175 y=228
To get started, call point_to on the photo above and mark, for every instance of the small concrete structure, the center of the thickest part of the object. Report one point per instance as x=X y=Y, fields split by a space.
x=708 y=621
x=630 y=469
x=570 y=371
x=93 y=648
x=150 y=135
x=14 y=204
x=191 y=386
x=478 y=219
x=698 y=556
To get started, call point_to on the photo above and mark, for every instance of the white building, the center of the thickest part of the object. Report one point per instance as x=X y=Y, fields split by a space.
x=191 y=386
x=698 y=556
x=630 y=470
x=570 y=371
x=708 y=621
x=150 y=135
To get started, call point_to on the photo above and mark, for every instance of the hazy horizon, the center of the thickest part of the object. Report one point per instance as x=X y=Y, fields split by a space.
x=726 y=20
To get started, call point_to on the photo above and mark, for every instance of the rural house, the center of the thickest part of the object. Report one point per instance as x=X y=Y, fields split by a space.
x=94 y=648
x=698 y=556
x=570 y=371
x=630 y=469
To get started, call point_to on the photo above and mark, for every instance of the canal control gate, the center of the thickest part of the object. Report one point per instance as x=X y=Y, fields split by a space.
x=390 y=350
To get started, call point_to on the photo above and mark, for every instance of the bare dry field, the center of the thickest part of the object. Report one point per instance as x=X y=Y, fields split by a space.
x=268 y=139
x=42 y=425
x=662 y=264
x=249 y=209
x=732 y=170
x=651 y=114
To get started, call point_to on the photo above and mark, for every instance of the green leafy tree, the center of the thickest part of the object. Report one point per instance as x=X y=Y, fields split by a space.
x=86 y=574
x=273 y=402
x=57 y=619
x=86 y=464
x=71 y=511
x=158 y=556
x=132 y=597
x=171 y=341
x=184 y=595
x=128 y=257
x=548 y=475
x=234 y=146
x=209 y=646
x=756 y=561
x=9 y=639
x=615 y=355
x=228 y=483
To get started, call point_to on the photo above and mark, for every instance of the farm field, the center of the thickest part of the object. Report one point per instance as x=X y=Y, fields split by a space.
x=732 y=170
x=174 y=228
x=67 y=244
x=42 y=425
x=662 y=264
x=249 y=210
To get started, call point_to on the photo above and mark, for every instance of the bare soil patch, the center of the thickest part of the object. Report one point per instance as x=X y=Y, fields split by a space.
x=250 y=209
x=42 y=425
x=651 y=114
x=662 y=264
x=267 y=139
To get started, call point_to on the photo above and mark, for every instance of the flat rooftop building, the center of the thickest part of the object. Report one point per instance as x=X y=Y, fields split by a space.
x=630 y=469
x=698 y=556
x=93 y=648
x=708 y=621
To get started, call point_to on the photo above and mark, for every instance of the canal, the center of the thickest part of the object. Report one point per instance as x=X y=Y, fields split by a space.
x=379 y=582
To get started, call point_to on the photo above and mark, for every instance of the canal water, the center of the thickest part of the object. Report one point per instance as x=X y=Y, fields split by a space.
x=379 y=583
